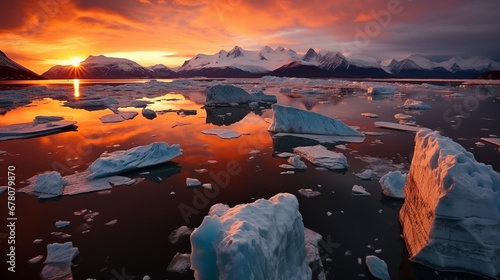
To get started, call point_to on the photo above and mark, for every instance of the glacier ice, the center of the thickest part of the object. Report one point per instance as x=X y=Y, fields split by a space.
x=224 y=95
x=292 y=120
x=393 y=184
x=259 y=240
x=322 y=157
x=377 y=267
x=142 y=156
x=49 y=185
x=451 y=215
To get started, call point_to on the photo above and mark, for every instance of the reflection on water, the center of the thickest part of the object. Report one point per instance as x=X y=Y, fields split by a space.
x=76 y=87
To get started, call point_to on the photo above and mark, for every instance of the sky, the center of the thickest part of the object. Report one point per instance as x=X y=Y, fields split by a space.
x=41 y=33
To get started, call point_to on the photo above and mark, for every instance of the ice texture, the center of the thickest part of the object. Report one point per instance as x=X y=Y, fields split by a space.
x=49 y=185
x=415 y=105
x=393 y=184
x=32 y=129
x=292 y=120
x=59 y=260
x=296 y=162
x=451 y=215
x=118 y=117
x=380 y=91
x=260 y=240
x=358 y=190
x=365 y=175
x=397 y=126
x=222 y=133
x=494 y=141
x=224 y=95
x=142 y=156
x=179 y=235
x=377 y=267
x=322 y=157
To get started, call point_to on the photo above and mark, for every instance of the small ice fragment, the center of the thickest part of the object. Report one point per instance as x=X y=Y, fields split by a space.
x=322 y=157
x=415 y=105
x=285 y=155
x=61 y=224
x=180 y=263
x=347 y=253
x=111 y=223
x=377 y=267
x=378 y=251
x=380 y=211
x=287 y=172
x=146 y=277
x=369 y=115
x=480 y=144
x=80 y=212
x=49 y=185
x=212 y=161
x=365 y=175
x=296 y=162
x=192 y=182
x=37 y=241
x=359 y=191
x=172 y=193
x=176 y=124
x=207 y=186
x=393 y=184
x=180 y=234
x=328 y=213
x=341 y=147
x=252 y=152
x=36 y=259
x=222 y=133
x=403 y=117
x=360 y=261
x=201 y=170
x=287 y=166
x=308 y=192
x=380 y=91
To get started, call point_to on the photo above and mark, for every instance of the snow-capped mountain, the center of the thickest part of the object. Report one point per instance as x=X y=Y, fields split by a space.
x=161 y=71
x=11 y=70
x=99 y=67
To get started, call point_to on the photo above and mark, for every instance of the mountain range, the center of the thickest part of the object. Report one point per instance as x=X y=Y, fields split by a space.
x=277 y=62
x=11 y=70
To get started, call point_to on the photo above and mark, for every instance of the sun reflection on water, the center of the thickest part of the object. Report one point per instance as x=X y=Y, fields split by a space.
x=76 y=86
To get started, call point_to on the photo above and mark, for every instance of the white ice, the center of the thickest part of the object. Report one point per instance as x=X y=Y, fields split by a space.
x=296 y=162
x=49 y=185
x=380 y=91
x=139 y=157
x=369 y=115
x=308 y=192
x=365 y=175
x=393 y=184
x=192 y=182
x=59 y=260
x=32 y=129
x=322 y=157
x=461 y=197
x=61 y=224
x=259 y=240
x=397 y=126
x=180 y=263
x=405 y=117
x=180 y=234
x=224 y=95
x=377 y=267
x=359 y=191
x=118 y=117
x=293 y=120
x=35 y=260
x=494 y=141
x=222 y=133
x=415 y=105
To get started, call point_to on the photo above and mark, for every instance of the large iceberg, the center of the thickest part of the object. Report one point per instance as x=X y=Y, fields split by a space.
x=135 y=158
x=322 y=157
x=225 y=95
x=59 y=259
x=451 y=216
x=34 y=129
x=260 y=240
x=292 y=120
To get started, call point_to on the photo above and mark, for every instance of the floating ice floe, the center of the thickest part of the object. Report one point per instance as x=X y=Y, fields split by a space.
x=35 y=260
x=377 y=267
x=180 y=263
x=2 y=190
x=33 y=129
x=49 y=185
x=291 y=172
x=397 y=126
x=359 y=191
x=118 y=117
x=179 y=235
x=308 y=192
x=176 y=124
x=311 y=240
x=380 y=91
x=461 y=199
x=404 y=117
x=285 y=155
x=393 y=184
x=139 y=157
x=296 y=162
x=222 y=133
x=57 y=265
x=207 y=186
x=61 y=224
x=192 y=182
x=226 y=95
x=94 y=103
x=494 y=141
x=293 y=120
x=148 y=114
x=369 y=115
x=270 y=232
x=415 y=105
x=381 y=166
x=111 y=223
x=322 y=157
x=365 y=175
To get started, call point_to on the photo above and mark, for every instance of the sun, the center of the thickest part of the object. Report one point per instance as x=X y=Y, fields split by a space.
x=75 y=61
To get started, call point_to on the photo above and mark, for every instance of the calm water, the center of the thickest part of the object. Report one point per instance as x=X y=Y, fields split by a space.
x=147 y=212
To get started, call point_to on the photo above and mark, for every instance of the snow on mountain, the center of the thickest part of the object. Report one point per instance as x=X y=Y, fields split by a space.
x=476 y=63
x=162 y=71
x=99 y=67
x=11 y=70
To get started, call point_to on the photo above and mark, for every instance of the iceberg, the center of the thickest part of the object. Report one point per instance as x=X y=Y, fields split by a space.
x=292 y=120
x=259 y=240
x=59 y=260
x=225 y=95
x=365 y=175
x=451 y=215
x=322 y=157
x=415 y=105
x=139 y=157
x=359 y=191
x=33 y=129
x=393 y=184
x=49 y=185
x=222 y=133
x=377 y=267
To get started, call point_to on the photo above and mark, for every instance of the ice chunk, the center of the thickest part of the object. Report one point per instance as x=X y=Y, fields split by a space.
x=119 y=117
x=451 y=214
x=79 y=183
x=111 y=223
x=285 y=155
x=494 y=141
x=292 y=120
x=135 y=158
x=61 y=224
x=148 y=114
x=37 y=241
x=380 y=91
x=179 y=235
x=320 y=156
x=397 y=126
x=311 y=240
x=359 y=191
x=377 y=267
x=287 y=173
x=49 y=185
x=415 y=105
x=207 y=186
x=58 y=261
x=46 y=119
x=222 y=133
x=192 y=182
x=393 y=184
x=36 y=259
x=287 y=166
x=260 y=240
x=308 y=192
x=369 y=115
x=365 y=175
x=27 y=130
x=296 y=162
x=92 y=104
x=226 y=95
x=404 y=117
x=180 y=263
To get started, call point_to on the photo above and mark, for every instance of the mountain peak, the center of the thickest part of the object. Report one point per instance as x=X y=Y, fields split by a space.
x=279 y=48
x=310 y=55
x=235 y=52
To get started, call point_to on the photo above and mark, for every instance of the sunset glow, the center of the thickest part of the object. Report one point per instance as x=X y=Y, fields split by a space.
x=170 y=32
x=75 y=61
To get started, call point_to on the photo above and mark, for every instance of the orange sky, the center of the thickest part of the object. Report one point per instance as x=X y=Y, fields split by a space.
x=42 y=33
